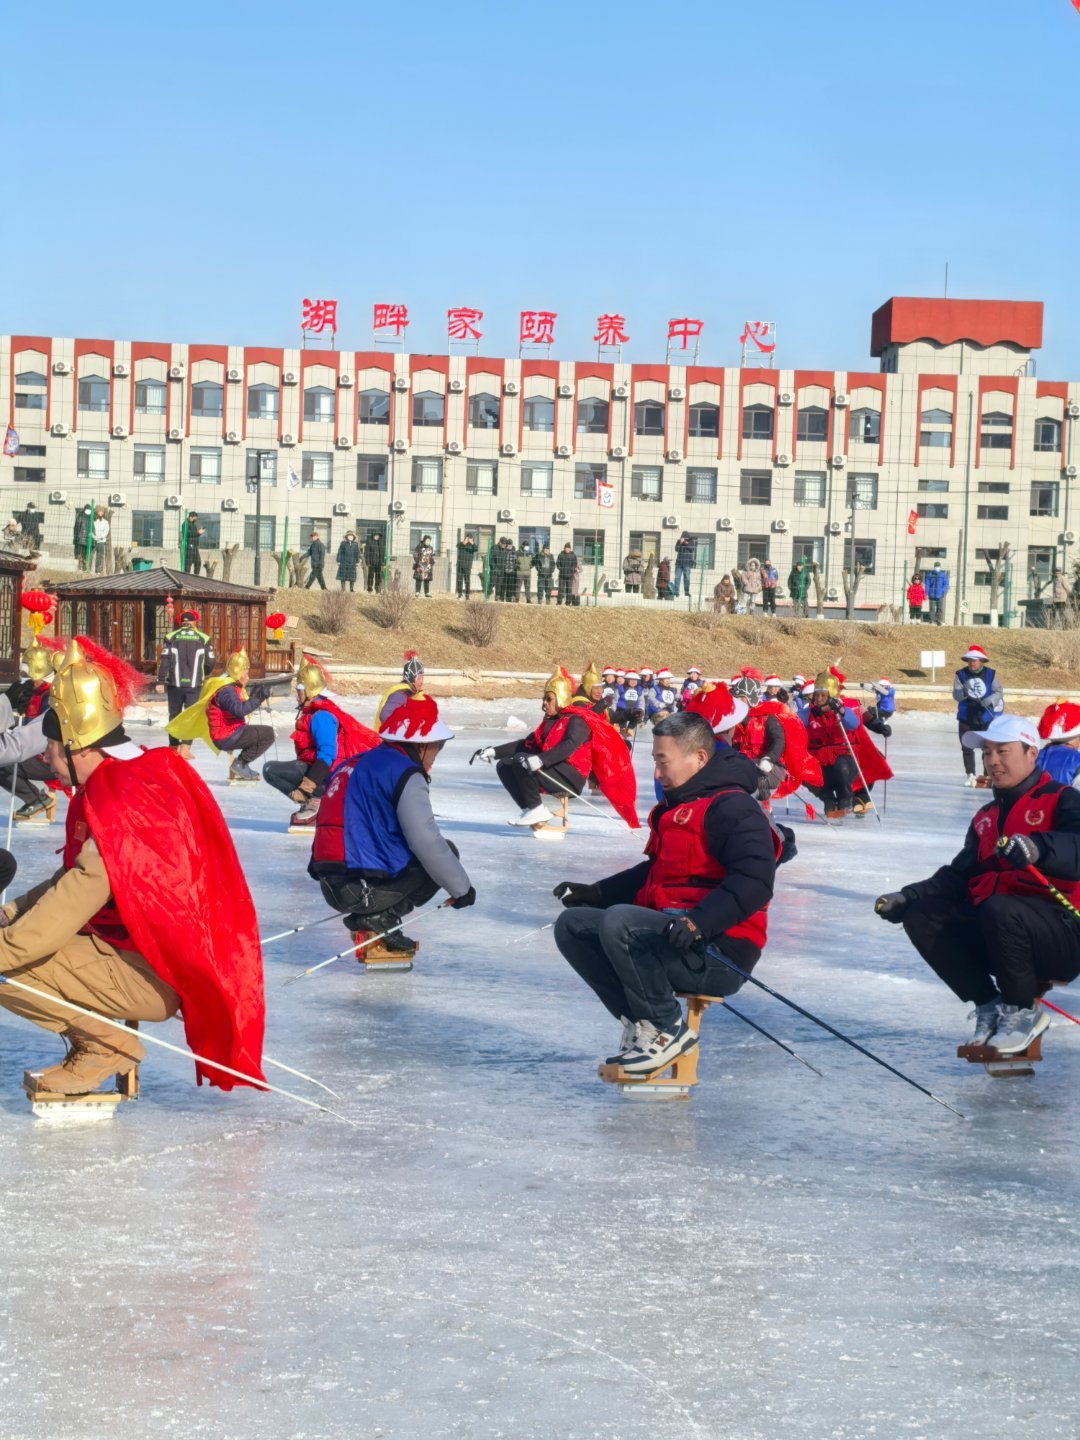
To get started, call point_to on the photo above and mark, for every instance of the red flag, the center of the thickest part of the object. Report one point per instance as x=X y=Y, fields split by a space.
x=913 y=515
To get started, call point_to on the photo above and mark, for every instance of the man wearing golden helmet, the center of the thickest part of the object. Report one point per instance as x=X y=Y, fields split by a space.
x=32 y=769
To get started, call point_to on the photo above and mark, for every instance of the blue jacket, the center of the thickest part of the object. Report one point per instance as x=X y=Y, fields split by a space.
x=324 y=732
x=1061 y=763
x=886 y=704
x=936 y=584
x=374 y=842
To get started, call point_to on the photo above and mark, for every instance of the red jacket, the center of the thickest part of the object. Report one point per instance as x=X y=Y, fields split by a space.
x=352 y=737
x=539 y=741
x=219 y=722
x=37 y=700
x=916 y=594
x=1032 y=813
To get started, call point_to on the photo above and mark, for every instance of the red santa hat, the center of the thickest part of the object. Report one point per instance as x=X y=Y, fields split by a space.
x=717 y=705
x=974 y=652
x=1060 y=721
x=415 y=723
x=693 y=669
x=620 y=674
x=808 y=688
x=799 y=680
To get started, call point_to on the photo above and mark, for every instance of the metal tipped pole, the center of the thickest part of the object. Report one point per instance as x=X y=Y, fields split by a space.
x=307 y=925
x=762 y=1031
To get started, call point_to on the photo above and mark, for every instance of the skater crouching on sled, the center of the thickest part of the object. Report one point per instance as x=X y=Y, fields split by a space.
x=554 y=759
x=640 y=937
x=984 y=923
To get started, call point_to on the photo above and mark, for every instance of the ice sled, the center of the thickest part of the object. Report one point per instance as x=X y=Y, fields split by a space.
x=100 y=1105
x=43 y=817
x=557 y=826
x=675 y=1080
x=308 y=830
x=377 y=958
x=1003 y=1067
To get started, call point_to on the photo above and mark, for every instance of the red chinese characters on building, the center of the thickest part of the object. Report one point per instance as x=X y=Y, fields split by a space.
x=319 y=315
x=912 y=521
x=390 y=317
x=461 y=323
x=684 y=331
x=611 y=330
x=759 y=334
x=537 y=327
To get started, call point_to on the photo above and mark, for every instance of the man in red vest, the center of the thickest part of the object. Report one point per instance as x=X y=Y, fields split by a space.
x=984 y=922
x=639 y=937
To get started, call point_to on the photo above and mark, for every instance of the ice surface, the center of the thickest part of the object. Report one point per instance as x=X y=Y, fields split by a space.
x=507 y=1248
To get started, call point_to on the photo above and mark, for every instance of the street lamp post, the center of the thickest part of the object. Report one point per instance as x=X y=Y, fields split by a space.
x=258 y=513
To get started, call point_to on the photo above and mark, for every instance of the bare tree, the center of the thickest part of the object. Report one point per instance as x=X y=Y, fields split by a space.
x=852 y=580
x=819 y=588
x=228 y=555
x=648 y=580
x=997 y=562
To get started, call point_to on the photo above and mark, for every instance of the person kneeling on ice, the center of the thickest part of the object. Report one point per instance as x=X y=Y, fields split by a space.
x=325 y=735
x=554 y=759
x=149 y=912
x=985 y=923
x=643 y=936
x=378 y=852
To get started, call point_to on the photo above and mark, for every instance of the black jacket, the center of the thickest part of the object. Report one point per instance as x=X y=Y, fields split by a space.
x=566 y=564
x=577 y=734
x=187 y=657
x=466 y=554
x=316 y=551
x=737 y=834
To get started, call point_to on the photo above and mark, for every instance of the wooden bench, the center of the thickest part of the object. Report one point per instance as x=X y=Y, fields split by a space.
x=99 y=1105
x=675 y=1080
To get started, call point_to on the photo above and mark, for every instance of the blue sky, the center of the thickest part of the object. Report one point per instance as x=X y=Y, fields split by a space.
x=191 y=172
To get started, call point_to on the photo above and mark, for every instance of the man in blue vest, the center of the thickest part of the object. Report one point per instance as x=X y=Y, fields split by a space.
x=378 y=852
x=979 y=697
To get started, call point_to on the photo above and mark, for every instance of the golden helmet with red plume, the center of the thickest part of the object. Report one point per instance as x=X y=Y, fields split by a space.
x=90 y=692
x=311 y=677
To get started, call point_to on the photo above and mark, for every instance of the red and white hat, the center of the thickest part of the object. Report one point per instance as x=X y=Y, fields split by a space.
x=647 y=670
x=633 y=675
x=416 y=723
x=974 y=652
x=693 y=669
x=619 y=673
x=608 y=670
x=772 y=680
x=718 y=706
x=664 y=673
x=799 y=681
x=808 y=688
x=1060 y=721
x=883 y=686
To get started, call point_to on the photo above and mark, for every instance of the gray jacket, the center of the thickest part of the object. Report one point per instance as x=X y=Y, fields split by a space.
x=425 y=840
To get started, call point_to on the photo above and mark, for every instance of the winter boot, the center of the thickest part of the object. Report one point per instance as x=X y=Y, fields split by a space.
x=239 y=771
x=88 y=1065
x=1018 y=1028
x=987 y=1017
x=655 y=1049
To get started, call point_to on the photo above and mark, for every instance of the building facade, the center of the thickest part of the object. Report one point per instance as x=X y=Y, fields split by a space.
x=950 y=448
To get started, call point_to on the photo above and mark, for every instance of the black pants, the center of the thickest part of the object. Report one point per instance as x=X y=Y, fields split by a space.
x=425 y=583
x=543 y=590
x=464 y=582
x=351 y=584
x=524 y=786
x=250 y=740
x=379 y=904
x=374 y=578
x=840 y=779
x=192 y=561
x=1012 y=945
x=179 y=697
x=621 y=954
x=521 y=587
x=768 y=602
x=969 y=755
x=316 y=574
x=25 y=774
x=564 y=596
x=285 y=775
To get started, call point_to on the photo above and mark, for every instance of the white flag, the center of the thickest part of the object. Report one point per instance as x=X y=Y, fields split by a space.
x=605 y=495
x=294 y=479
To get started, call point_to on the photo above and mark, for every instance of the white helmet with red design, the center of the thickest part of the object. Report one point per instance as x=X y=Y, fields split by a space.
x=975 y=652
x=717 y=705
x=416 y=722
x=1060 y=721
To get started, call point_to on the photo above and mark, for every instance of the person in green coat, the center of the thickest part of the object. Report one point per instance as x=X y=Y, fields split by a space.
x=798 y=588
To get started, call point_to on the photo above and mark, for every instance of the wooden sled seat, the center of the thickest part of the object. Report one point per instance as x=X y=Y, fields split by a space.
x=378 y=958
x=557 y=826
x=1003 y=1067
x=100 y=1105
x=675 y=1080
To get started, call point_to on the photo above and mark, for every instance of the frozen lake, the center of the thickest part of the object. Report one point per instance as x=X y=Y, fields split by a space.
x=505 y=1247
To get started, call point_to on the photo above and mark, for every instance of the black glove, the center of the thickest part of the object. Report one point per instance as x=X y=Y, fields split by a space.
x=892 y=907
x=571 y=893
x=763 y=791
x=1021 y=851
x=462 y=902
x=261 y=693
x=835 y=705
x=19 y=694
x=683 y=935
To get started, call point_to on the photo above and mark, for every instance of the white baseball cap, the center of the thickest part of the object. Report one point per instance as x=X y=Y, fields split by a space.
x=1001 y=730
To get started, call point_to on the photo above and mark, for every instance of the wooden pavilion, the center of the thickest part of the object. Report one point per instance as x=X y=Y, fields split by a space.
x=12 y=569
x=132 y=612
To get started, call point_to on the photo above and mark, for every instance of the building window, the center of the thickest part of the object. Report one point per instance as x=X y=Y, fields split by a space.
x=755 y=487
x=864 y=426
x=373 y=407
x=1041 y=563
x=417 y=532
x=997 y=431
x=207 y=400
x=539 y=413
x=268 y=468
x=934 y=487
x=865 y=555
x=146 y=527
x=92 y=462
x=704 y=421
x=647 y=482
x=484 y=412
x=592 y=417
x=25 y=473
x=481 y=477
x=262 y=402
x=994 y=487
x=94 y=394
x=647 y=541
x=810 y=549
x=537 y=479
x=314 y=525
x=30 y=388
x=371 y=472
x=589 y=544
x=35 y=450
x=935 y=430
x=757 y=422
x=810 y=488
x=1044 y=497
x=317 y=470
x=1047 y=434
x=813 y=423
x=205 y=465
x=150 y=463
x=428 y=408
x=704 y=551
x=934 y=552
x=534 y=536
x=991 y=512
x=862 y=492
x=426 y=476
x=210 y=525
x=929 y=510
x=586 y=479
x=150 y=397
x=267 y=532
x=649 y=417
x=319 y=403
x=700 y=486
x=752 y=547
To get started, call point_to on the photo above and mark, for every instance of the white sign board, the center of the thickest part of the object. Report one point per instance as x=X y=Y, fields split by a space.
x=931 y=659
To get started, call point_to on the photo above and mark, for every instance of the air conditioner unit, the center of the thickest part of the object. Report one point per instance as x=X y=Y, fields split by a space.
x=508 y=449
x=344 y=379
x=456 y=387
x=173 y=502
x=344 y=442
x=835 y=528
x=340 y=507
x=674 y=456
x=780 y=526
x=676 y=393
x=176 y=372
x=832 y=593
x=232 y=437
x=1072 y=410
x=400 y=446
x=117 y=499
x=621 y=392
x=563 y=451
x=61 y=367
x=398 y=507
x=230 y=505
x=234 y=376
x=119 y=432
x=453 y=447
x=1068 y=537
x=288 y=440
x=618 y=452
x=838 y=462
x=613 y=586
x=1070 y=472
x=176 y=434
x=401 y=382
x=725 y=523
x=57 y=497
x=786 y=397
x=561 y=518
x=60 y=430
x=840 y=400
x=506 y=516
x=671 y=522
x=121 y=371
x=511 y=387
x=783 y=460
x=566 y=392
x=288 y=377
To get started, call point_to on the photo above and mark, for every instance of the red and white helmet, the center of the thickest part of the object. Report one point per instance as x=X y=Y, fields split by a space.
x=416 y=723
x=974 y=652
x=633 y=675
x=717 y=705
x=647 y=670
x=773 y=681
x=608 y=670
x=693 y=670
x=1060 y=721
x=664 y=673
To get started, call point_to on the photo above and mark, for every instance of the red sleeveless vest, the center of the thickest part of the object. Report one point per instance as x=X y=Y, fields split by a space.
x=1032 y=813
x=581 y=759
x=825 y=736
x=106 y=924
x=328 y=847
x=219 y=722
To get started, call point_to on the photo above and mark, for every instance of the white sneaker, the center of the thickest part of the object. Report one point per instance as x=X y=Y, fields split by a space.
x=654 y=1049
x=627 y=1040
x=538 y=815
x=1017 y=1028
x=971 y=782
x=987 y=1018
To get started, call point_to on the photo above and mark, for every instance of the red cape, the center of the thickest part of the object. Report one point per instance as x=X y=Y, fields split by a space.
x=871 y=762
x=356 y=735
x=801 y=767
x=611 y=765
x=183 y=898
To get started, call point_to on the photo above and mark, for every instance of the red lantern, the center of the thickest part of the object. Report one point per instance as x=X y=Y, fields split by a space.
x=275 y=621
